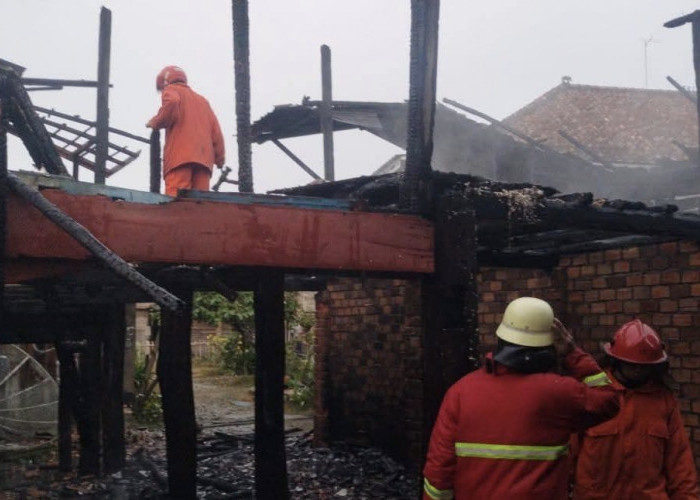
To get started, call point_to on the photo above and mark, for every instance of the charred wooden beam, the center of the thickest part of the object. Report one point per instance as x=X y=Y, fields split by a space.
x=102 y=125
x=592 y=154
x=54 y=82
x=684 y=92
x=29 y=127
x=155 y=161
x=78 y=119
x=175 y=379
x=88 y=410
x=296 y=159
x=92 y=244
x=270 y=457
x=415 y=189
x=82 y=134
x=241 y=50
x=326 y=114
x=113 y=443
x=67 y=400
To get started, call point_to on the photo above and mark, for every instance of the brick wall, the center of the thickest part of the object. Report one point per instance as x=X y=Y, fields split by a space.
x=597 y=292
x=369 y=365
x=369 y=346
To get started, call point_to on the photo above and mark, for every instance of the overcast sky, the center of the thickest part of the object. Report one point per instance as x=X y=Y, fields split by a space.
x=494 y=55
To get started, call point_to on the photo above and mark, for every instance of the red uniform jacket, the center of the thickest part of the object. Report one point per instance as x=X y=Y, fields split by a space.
x=504 y=435
x=192 y=133
x=643 y=453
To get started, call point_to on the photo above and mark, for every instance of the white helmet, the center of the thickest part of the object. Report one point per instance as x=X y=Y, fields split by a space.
x=527 y=321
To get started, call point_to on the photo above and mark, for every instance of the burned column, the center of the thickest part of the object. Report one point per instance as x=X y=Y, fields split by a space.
x=694 y=19
x=242 y=74
x=175 y=379
x=102 y=128
x=450 y=301
x=270 y=456
x=415 y=188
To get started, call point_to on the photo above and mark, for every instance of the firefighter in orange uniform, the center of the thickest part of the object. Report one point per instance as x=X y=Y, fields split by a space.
x=503 y=431
x=193 y=139
x=642 y=453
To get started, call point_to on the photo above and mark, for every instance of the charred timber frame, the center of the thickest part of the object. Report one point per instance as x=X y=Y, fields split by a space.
x=102 y=126
x=241 y=69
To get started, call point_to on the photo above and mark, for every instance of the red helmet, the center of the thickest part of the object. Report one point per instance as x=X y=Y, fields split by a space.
x=168 y=75
x=636 y=342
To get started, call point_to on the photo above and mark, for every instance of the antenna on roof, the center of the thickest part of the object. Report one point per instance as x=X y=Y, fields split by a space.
x=646 y=42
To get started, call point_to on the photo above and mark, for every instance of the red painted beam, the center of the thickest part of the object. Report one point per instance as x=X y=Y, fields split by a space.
x=221 y=233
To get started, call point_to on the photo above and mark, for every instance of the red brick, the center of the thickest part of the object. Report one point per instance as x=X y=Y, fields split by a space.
x=588 y=271
x=607 y=294
x=621 y=266
x=630 y=253
x=670 y=277
x=613 y=254
x=603 y=269
x=652 y=278
x=659 y=292
x=668 y=305
x=579 y=260
x=680 y=291
x=690 y=276
x=688 y=246
x=591 y=295
x=598 y=307
x=641 y=292
x=613 y=307
x=640 y=266
x=682 y=319
x=692 y=362
x=634 y=280
x=631 y=307
x=660 y=262
x=661 y=319
x=495 y=286
x=607 y=319
x=573 y=272
x=600 y=283
x=650 y=306
x=670 y=247
x=694 y=259
x=624 y=294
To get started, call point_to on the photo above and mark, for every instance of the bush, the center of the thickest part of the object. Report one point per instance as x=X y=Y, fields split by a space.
x=147 y=407
x=300 y=370
x=233 y=354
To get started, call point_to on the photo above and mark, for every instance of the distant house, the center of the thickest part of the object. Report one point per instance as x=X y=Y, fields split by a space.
x=623 y=126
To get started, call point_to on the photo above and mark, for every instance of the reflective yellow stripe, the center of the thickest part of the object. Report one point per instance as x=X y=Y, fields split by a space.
x=597 y=380
x=510 y=452
x=435 y=493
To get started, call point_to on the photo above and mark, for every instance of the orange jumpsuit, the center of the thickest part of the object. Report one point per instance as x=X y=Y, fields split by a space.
x=193 y=139
x=504 y=435
x=641 y=454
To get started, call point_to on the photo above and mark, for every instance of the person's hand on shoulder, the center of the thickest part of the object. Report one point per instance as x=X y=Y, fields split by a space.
x=563 y=339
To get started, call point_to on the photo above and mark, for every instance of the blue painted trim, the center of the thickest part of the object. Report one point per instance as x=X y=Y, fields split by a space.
x=267 y=199
x=71 y=186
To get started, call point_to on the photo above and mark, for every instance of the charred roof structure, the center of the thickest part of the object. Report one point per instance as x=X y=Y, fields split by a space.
x=557 y=141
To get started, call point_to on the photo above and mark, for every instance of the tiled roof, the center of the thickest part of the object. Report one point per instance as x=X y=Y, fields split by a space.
x=622 y=125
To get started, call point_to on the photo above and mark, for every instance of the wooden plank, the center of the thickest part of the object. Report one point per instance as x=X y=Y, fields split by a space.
x=212 y=233
x=270 y=455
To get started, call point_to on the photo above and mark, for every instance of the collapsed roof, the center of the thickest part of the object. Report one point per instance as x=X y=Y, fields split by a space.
x=464 y=146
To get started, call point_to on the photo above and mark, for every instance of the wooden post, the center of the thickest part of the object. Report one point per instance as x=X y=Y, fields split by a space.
x=270 y=456
x=415 y=188
x=66 y=401
x=327 y=113
x=155 y=161
x=241 y=49
x=102 y=126
x=175 y=379
x=89 y=404
x=113 y=444
x=129 y=352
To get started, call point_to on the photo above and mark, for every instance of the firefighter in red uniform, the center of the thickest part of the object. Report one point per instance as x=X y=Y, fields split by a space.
x=503 y=431
x=193 y=139
x=642 y=453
